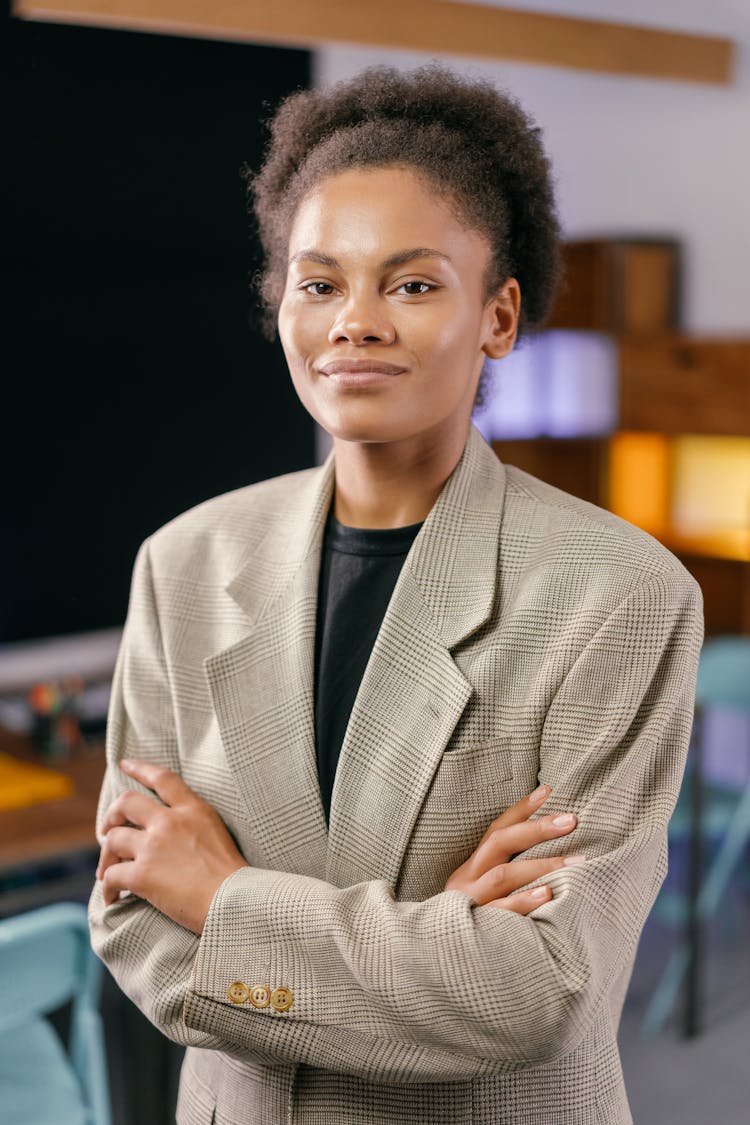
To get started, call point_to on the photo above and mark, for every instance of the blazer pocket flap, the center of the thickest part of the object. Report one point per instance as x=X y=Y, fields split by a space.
x=481 y=766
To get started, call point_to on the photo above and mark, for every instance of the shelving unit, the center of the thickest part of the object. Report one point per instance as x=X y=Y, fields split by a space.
x=677 y=460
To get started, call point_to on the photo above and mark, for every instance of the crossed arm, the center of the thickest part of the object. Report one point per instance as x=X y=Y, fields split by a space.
x=174 y=855
x=502 y=987
x=176 y=852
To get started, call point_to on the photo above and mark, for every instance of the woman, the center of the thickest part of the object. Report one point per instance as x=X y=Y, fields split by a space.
x=344 y=695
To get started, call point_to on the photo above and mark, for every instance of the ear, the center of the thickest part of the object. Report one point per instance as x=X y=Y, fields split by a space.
x=502 y=320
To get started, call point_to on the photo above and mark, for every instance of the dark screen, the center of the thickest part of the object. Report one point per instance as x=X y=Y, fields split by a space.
x=135 y=381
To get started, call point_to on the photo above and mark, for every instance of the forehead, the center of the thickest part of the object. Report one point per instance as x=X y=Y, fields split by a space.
x=374 y=213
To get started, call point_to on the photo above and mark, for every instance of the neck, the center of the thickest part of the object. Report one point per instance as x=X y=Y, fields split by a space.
x=394 y=484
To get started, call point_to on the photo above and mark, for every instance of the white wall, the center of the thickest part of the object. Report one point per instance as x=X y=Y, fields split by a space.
x=636 y=156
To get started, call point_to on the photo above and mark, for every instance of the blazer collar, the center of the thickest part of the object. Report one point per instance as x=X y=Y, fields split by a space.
x=413 y=692
x=411 y=696
x=454 y=557
x=294 y=538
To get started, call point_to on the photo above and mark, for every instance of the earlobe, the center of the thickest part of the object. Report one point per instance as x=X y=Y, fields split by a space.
x=503 y=311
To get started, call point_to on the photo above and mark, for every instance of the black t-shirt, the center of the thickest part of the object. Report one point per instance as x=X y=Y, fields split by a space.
x=358 y=571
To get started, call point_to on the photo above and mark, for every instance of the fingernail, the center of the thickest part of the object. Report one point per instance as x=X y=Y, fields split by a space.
x=539 y=794
x=126 y=764
x=539 y=892
x=572 y=860
x=564 y=821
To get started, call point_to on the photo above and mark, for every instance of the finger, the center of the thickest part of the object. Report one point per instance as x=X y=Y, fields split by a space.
x=523 y=902
x=130 y=808
x=167 y=785
x=522 y=809
x=121 y=843
x=503 y=842
x=506 y=878
x=118 y=878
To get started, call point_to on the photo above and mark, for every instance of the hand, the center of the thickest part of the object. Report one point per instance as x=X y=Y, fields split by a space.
x=175 y=855
x=488 y=876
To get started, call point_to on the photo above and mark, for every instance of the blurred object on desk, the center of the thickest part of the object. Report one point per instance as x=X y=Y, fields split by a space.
x=25 y=783
x=48 y=850
x=55 y=730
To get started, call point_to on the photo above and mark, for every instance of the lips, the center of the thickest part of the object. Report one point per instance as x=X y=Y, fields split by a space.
x=360 y=367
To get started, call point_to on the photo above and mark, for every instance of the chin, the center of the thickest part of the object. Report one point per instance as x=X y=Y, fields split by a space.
x=373 y=435
x=365 y=426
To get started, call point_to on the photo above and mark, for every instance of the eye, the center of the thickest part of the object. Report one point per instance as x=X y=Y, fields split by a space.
x=415 y=288
x=318 y=288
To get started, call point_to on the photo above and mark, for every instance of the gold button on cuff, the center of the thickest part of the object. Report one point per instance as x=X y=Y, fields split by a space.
x=260 y=996
x=238 y=992
x=282 y=999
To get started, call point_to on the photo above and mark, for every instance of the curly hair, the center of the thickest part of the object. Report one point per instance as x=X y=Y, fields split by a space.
x=474 y=145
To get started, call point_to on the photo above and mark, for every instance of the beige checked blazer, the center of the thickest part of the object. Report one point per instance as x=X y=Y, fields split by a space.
x=530 y=636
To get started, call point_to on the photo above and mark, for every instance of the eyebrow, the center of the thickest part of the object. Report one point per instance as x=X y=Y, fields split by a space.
x=398 y=259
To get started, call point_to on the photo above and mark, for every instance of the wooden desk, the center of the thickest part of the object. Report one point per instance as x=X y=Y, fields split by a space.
x=52 y=831
x=48 y=852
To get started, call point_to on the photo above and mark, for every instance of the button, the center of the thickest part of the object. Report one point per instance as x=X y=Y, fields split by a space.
x=260 y=996
x=238 y=992
x=282 y=999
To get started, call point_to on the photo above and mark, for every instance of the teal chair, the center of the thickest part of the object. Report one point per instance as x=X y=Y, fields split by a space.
x=46 y=962
x=723 y=681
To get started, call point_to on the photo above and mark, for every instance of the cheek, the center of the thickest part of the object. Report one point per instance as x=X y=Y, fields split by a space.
x=301 y=333
x=449 y=349
x=460 y=331
x=287 y=331
x=297 y=343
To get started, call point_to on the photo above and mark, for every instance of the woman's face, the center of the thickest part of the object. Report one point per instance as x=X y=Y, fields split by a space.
x=384 y=318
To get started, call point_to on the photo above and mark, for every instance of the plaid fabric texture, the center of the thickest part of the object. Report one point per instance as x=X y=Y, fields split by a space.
x=531 y=637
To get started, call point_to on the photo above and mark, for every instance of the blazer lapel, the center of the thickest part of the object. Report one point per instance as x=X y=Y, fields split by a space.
x=412 y=693
x=262 y=686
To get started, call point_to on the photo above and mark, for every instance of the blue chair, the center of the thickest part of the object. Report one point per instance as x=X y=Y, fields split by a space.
x=723 y=681
x=45 y=962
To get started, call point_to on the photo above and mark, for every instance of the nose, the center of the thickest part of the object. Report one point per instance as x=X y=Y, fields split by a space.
x=362 y=321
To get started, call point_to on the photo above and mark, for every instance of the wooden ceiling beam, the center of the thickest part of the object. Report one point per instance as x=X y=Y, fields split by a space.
x=434 y=26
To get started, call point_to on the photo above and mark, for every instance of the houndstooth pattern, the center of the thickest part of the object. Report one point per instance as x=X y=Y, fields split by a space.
x=530 y=637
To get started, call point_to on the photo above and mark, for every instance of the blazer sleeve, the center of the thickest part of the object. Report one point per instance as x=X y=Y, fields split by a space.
x=150 y=956
x=443 y=989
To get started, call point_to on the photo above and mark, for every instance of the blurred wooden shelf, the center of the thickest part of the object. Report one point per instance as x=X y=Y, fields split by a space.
x=625 y=287
x=726 y=591
x=720 y=564
x=671 y=386
x=577 y=465
x=684 y=385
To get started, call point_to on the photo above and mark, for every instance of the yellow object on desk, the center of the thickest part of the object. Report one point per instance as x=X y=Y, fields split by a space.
x=24 y=783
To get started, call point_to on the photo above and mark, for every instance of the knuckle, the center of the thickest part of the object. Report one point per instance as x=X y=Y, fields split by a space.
x=157 y=832
x=119 y=805
x=125 y=804
x=194 y=809
x=501 y=874
x=194 y=817
x=108 y=880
